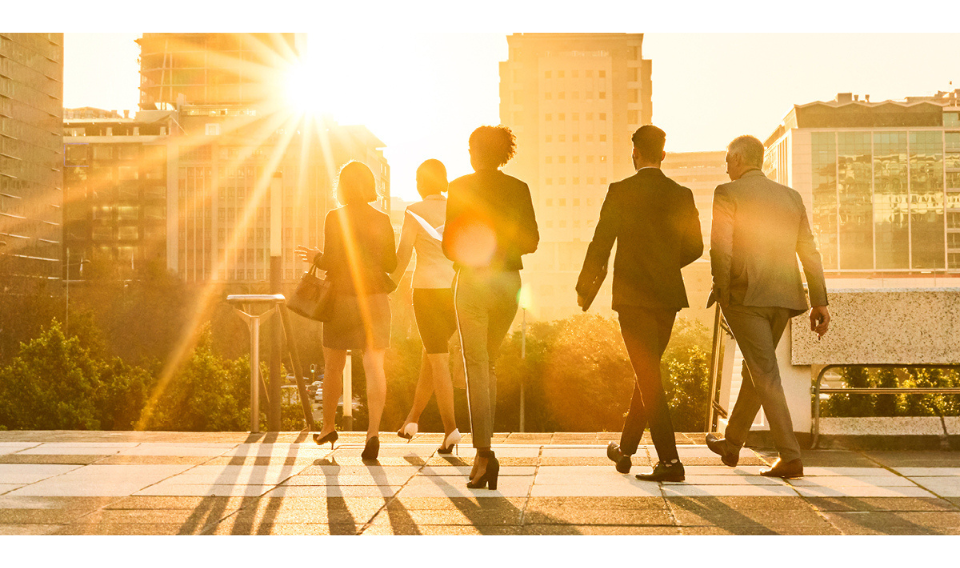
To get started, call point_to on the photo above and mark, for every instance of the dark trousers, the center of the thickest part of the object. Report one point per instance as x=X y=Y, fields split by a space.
x=646 y=332
x=485 y=302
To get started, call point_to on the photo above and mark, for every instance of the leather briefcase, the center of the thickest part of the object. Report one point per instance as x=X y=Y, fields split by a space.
x=313 y=298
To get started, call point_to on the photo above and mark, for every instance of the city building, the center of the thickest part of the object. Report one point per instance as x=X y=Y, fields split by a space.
x=573 y=101
x=702 y=172
x=213 y=68
x=31 y=156
x=115 y=185
x=881 y=181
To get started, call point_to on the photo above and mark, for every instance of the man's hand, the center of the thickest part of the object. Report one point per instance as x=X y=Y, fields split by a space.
x=819 y=320
x=306 y=254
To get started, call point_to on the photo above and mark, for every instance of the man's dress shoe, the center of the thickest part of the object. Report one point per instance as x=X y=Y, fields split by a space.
x=792 y=468
x=721 y=447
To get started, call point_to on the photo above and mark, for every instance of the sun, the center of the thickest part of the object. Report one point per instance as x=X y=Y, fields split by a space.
x=303 y=88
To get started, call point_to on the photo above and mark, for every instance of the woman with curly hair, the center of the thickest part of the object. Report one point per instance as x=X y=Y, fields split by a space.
x=490 y=223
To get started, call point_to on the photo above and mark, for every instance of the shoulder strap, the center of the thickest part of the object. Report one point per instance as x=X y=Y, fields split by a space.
x=435 y=233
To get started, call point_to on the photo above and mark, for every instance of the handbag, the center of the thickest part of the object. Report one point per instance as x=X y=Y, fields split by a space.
x=313 y=297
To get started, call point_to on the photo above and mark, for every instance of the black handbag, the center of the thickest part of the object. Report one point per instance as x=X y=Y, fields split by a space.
x=314 y=297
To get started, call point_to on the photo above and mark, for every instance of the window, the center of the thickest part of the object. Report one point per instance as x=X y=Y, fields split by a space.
x=560 y=74
x=561 y=116
x=546 y=75
x=576 y=74
x=562 y=224
x=589 y=159
x=576 y=116
x=603 y=137
x=563 y=181
x=548 y=160
x=602 y=95
x=549 y=202
x=548 y=181
x=548 y=116
x=576 y=202
x=576 y=137
x=589 y=73
x=562 y=95
x=589 y=116
x=576 y=181
x=547 y=96
x=576 y=159
x=601 y=73
x=951 y=119
x=562 y=137
x=548 y=138
x=211 y=129
x=603 y=116
x=576 y=224
x=562 y=159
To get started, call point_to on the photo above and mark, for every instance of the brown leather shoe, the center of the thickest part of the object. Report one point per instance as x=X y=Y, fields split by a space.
x=729 y=456
x=792 y=468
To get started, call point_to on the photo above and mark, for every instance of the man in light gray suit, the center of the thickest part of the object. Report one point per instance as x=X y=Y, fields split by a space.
x=759 y=229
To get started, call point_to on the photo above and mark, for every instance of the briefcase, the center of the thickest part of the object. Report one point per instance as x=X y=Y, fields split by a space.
x=591 y=288
x=313 y=298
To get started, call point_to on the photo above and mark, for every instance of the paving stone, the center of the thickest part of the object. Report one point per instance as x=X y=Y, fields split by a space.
x=103 y=449
x=381 y=491
x=942 y=486
x=683 y=490
x=457 y=503
x=915 y=459
x=598 y=530
x=847 y=471
x=628 y=489
x=895 y=522
x=824 y=528
x=348 y=480
x=13 y=447
x=726 y=517
x=737 y=503
x=835 y=458
x=848 y=504
x=574 y=516
x=28 y=530
x=88 y=503
x=476 y=516
x=198 y=490
x=595 y=462
x=178 y=450
x=51 y=459
x=41 y=516
x=464 y=470
x=335 y=470
x=302 y=516
x=152 y=460
x=8 y=487
x=158 y=502
x=845 y=481
x=191 y=518
x=101 y=480
x=122 y=529
x=608 y=503
x=263 y=460
x=594 y=452
x=437 y=530
x=928 y=471
x=235 y=475
x=747 y=480
x=356 y=506
x=436 y=486
x=22 y=474
x=869 y=491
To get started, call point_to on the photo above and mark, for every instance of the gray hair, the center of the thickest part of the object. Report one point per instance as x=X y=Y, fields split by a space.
x=749 y=148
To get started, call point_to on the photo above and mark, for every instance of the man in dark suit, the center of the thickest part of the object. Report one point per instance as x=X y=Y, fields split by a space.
x=759 y=229
x=657 y=228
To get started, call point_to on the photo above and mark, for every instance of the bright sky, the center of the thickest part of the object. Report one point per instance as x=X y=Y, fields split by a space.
x=423 y=92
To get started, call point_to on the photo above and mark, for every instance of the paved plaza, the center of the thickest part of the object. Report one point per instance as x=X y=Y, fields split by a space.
x=165 y=483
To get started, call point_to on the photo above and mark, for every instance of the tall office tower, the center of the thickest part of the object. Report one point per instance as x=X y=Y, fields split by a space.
x=881 y=182
x=31 y=156
x=702 y=172
x=115 y=185
x=573 y=101
x=212 y=68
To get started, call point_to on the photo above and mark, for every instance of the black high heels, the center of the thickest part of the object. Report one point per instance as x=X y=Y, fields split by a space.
x=490 y=473
x=372 y=449
x=331 y=437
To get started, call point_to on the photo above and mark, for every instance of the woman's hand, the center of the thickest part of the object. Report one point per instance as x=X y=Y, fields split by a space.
x=306 y=254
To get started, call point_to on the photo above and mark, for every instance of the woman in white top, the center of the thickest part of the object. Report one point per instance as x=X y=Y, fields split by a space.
x=432 y=299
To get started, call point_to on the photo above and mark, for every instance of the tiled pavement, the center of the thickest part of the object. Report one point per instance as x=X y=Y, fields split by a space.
x=234 y=483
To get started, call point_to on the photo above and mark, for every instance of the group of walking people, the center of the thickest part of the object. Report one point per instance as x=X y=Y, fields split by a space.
x=467 y=278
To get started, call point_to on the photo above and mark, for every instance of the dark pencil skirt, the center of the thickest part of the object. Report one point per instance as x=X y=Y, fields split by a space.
x=436 y=320
x=358 y=322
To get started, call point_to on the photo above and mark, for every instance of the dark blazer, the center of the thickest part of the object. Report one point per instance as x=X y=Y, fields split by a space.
x=358 y=251
x=759 y=229
x=490 y=221
x=657 y=227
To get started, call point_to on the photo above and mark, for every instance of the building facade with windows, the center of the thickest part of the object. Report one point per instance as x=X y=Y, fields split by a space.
x=881 y=181
x=573 y=101
x=31 y=156
x=115 y=185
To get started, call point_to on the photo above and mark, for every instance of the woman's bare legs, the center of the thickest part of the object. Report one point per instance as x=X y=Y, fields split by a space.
x=443 y=386
x=376 y=388
x=333 y=362
x=423 y=392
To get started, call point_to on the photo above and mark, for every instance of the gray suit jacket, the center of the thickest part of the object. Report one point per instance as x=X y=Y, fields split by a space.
x=759 y=229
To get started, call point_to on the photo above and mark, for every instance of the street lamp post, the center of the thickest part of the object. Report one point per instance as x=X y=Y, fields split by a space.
x=276 y=205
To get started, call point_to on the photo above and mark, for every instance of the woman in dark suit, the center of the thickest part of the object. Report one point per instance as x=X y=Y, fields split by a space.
x=490 y=223
x=358 y=255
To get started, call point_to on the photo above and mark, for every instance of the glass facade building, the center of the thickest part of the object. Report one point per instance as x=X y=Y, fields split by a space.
x=882 y=189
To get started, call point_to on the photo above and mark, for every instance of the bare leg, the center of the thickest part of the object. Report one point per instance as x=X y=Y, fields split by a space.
x=443 y=386
x=333 y=362
x=424 y=390
x=376 y=388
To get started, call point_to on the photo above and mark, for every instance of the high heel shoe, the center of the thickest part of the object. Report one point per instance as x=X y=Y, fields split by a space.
x=450 y=442
x=408 y=431
x=331 y=437
x=490 y=473
x=372 y=449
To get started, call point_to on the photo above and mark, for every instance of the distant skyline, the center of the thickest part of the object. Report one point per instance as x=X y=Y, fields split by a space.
x=423 y=93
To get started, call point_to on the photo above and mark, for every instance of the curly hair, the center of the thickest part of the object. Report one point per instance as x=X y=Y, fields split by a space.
x=493 y=146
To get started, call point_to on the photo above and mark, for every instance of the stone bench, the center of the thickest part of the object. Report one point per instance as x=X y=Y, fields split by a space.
x=899 y=327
